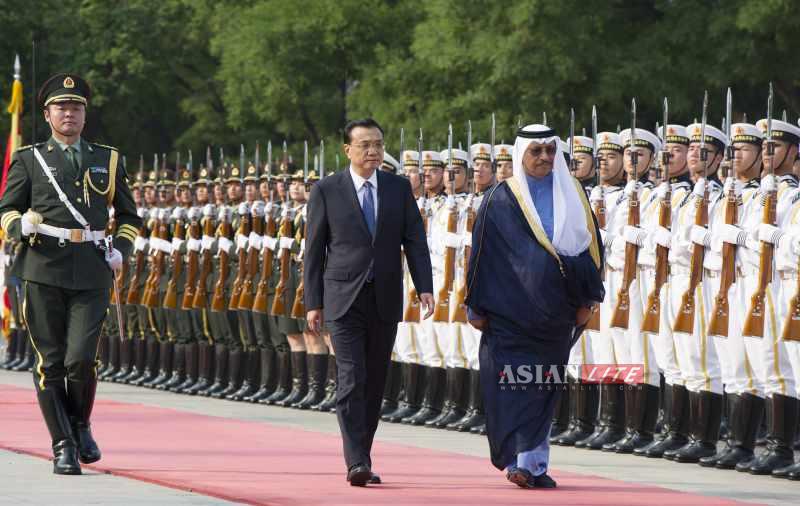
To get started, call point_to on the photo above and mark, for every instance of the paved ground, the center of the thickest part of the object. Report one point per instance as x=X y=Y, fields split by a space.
x=28 y=473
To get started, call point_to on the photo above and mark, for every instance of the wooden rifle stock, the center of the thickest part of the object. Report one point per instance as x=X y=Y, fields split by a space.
x=261 y=302
x=192 y=265
x=754 y=322
x=150 y=298
x=652 y=314
x=621 y=314
x=791 y=327
x=247 y=296
x=684 y=320
x=278 y=306
x=460 y=310
x=176 y=259
x=718 y=324
x=241 y=268
x=442 y=311
x=133 y=296
x=200 y=300
x=600 y=214
x=412 y=313
x=218 y=298
x=299 y=307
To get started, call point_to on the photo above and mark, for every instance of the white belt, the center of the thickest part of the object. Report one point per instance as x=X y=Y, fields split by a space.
x=71 y=234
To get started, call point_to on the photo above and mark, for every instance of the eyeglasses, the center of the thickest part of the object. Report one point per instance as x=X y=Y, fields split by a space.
x=364 y=146
x=536 y=151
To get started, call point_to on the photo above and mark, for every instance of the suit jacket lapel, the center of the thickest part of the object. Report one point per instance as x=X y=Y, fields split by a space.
x=350 y=191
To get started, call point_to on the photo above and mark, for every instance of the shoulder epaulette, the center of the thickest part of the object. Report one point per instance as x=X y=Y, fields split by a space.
x=103 y=146
x=29 y=146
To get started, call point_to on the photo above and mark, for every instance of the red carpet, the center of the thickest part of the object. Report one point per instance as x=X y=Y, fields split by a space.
x=257 y=463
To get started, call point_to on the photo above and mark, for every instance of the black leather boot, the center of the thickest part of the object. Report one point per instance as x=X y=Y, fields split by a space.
x=113 y=363
x=475 y=415
x=102 y=353
x=391 y=391
x=641 y=416
x=583 y=413
x=26 y=364
x=458 y=379
x=299 y=379
x=252 y=365
x=705 y=412
x=80 y=401
x=434 y=397
x=190 y=368
x=178 y=368
x=746 y=413
x=220 y=371
x=165 y=359
x=413 y=389
x=126 y=360
x=561 y=421
x=318 y=370
x=151 y=363
x=205 y=369
x=676 y=423
x=235 y=360
x=328 y=403
x=782 y=414
x=10 y=355
x=610 y=424
x=269 y=375
x=284 y=377
x=53 y=404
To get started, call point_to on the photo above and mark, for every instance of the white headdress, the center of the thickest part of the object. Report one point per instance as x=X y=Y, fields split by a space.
x=571 y=236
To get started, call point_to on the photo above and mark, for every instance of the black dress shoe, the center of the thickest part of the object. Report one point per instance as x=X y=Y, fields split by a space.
x=544 y=481
x=374 y=479
x=65 y=458
x=359 y=475
x=520 y=477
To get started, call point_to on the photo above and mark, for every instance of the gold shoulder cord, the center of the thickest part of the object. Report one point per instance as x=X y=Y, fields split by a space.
x=112 y=177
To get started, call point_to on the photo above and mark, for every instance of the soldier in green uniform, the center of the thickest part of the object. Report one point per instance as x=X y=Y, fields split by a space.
x=56 y=203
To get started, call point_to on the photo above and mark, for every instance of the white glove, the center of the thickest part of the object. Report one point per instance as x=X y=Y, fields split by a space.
x=178 y=213
x=225 y=244
x=631 y=187
x=207 y=242
x=114 y=259
x=153 y=214
x=286 y=242
x=244 y=209
x=241 y=242
x=634 y=235
x=254 y=241
x=30 y=222
x=223 y=213
x=662 y=236
x=700 y=235
x=257 y=209
x=735 y=184
x=604 y=236
x=661 y=190
x=140 y=243
x=769 y=233
x=141 y=212
x=194 y=213
x=194 y=244
x=208 y=210
x=270 y=242
x=176 y=244
x=596 y=195
x=732 y=234
x=768 y=184
x=699 y=188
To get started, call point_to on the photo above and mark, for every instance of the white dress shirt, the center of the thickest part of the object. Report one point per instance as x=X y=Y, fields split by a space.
x=359 y=181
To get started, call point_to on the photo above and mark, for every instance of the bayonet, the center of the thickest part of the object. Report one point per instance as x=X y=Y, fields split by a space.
x=544 y=118
x=634 y=152
x=305 y=161
x=572 y=166
x=257 y=157
x=321 y=158
x=491 y=149
x=728 y=116
x=595 y=148
x=242 y=168
x=209 y=159
x=703 y=150
x=450 y=159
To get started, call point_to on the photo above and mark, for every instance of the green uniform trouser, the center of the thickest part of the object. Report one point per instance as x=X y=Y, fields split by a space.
x=225 y=328
x=64 y=326
x=181 y=327
x=286 y=324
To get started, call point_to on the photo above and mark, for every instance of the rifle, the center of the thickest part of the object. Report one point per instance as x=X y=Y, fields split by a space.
x=171 y=295
x=200 y=300
x=150 y=298
x=652 y=315
x=278 y=306
x=718 y=324
x=412 y=313
x=298 y=306
x=442 y=311
x=459 y=313
x=133 y=296
x=262 y=291
x=242 y=234
x=192 y=264
x=754 y=321
x=684 y=321
x=254 y=246
x=621 y=314
x=224 y=232
x=599 y=211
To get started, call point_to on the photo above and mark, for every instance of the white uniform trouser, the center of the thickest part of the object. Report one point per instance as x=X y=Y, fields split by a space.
x=581 y=353
x=640 y=344
x=434 y=336
x=406 y=349
x=663 y=342
x=602 y=343
x=767 y=368
x=697 y=352
x=787 y=290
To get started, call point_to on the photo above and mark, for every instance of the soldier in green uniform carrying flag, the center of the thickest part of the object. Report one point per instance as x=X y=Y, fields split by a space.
x=57 y=205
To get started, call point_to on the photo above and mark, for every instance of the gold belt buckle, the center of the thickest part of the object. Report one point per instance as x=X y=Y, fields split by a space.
x=75 y=235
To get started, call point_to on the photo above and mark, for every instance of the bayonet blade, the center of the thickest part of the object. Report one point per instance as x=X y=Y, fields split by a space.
x=469 y=144
x=703 y=122
x=769 y=114
x=572 y=137
x=305 y=160
x=257 y=157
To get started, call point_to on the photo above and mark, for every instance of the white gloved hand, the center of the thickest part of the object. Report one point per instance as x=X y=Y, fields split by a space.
x=178 y=213
x=257 y=209
x=30 y=222
x=661 y=190
x=732 y=234
x=244 y=209
x=153 y=213
x=767 y=184
x=604 y=236
x=225 y=244
x=194 y=213
x=700 y=235
x=596 y=195
x=769 y=233
x=735 y=184
x=662 y=236
x=209 y=211
x=634 y=235
x=114 y=259
x=631 y=187
x=699 y=188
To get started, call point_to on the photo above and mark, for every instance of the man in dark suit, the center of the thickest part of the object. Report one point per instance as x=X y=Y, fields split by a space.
x=358 y=220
